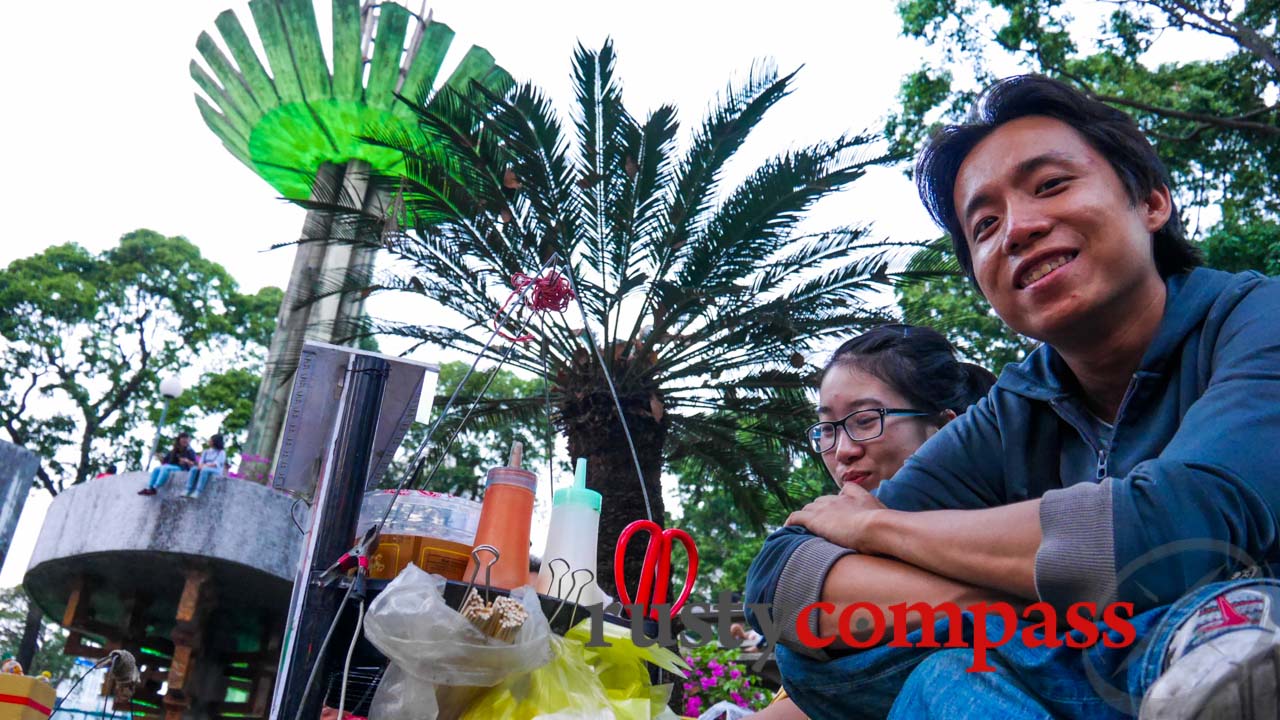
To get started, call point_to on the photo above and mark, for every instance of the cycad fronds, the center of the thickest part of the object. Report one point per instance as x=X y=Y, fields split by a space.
x=703 y=299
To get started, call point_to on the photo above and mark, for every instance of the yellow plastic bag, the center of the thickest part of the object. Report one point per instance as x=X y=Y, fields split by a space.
x=621 y=669
x=565 y=687
x=580 y=682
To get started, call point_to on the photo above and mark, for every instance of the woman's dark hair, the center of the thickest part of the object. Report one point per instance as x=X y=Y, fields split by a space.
x=178 y=440
x=1109 y=131
x=919 y=364
x=216 y=441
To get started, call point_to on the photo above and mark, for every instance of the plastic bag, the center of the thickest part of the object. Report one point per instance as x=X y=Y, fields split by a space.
x=623 y=671
x=581 y=682
x=725 y=710
x=430 y=644
x=565 y=688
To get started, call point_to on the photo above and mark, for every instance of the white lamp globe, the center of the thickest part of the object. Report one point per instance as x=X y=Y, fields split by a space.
x=171 y=387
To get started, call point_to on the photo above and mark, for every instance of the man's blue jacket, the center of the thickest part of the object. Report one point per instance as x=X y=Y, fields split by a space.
x=1187 y=491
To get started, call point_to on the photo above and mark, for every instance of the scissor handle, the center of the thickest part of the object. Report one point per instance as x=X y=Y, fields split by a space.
x=691 y=549
x=644 y=590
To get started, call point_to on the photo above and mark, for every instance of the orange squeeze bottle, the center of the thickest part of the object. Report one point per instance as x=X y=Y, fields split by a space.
x=505 y=517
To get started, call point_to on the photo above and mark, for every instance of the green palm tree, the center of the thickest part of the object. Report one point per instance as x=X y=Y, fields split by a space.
x=700 y=299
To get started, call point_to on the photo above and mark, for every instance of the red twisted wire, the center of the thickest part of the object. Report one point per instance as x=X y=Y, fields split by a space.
x=549 y=292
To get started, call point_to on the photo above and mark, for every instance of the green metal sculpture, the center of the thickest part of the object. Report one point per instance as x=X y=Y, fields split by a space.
x=286 y=124
x=297 y=123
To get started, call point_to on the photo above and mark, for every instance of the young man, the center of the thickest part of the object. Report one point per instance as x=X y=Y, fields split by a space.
x=1132 y=458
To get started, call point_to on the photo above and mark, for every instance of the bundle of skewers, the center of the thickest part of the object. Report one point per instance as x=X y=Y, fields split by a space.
x=501 y=619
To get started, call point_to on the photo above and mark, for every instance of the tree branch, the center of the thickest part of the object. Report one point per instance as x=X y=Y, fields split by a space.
x=118 y=399
x=1243 y=35
x=20 y=438
x=1253 y=43
x=1234 y=123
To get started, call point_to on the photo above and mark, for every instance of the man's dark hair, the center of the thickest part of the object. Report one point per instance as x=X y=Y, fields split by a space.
x=919 y=364
x=1109 y=131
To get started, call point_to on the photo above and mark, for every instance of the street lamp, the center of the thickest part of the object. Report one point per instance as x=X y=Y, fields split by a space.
x=170 y=388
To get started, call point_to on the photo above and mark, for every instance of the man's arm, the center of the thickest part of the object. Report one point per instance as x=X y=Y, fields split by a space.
x=992 y=548
x=885 y=582
x=796 y=569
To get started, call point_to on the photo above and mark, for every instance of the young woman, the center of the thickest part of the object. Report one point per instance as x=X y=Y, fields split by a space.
x=883 y=394
x=213 y=462
x=180 y=457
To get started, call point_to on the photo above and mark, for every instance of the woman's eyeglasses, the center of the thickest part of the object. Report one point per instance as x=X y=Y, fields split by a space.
x=859 y=425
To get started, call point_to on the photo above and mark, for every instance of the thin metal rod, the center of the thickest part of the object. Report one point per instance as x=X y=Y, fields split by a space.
x=626 y=429
x=550 y=433
x=474 y=403
x=418 y=455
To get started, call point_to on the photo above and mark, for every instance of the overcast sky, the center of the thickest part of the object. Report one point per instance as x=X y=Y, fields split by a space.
x=104 y=135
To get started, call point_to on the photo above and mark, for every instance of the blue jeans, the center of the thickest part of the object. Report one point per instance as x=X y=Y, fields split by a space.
x=1097 y=682
x=197 y=481
x=160 y=475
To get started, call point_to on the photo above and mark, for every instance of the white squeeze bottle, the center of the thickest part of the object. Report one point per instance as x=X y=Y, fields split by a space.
x=575 y=525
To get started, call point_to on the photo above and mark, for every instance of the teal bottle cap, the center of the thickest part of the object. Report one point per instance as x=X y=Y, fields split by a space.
x=578 y=494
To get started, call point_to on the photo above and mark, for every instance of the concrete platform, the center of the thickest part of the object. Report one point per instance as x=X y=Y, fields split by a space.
x=133 y=554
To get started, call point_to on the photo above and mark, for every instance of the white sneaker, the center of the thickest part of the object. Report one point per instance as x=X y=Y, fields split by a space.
x=194 y=494
x=1223 y=662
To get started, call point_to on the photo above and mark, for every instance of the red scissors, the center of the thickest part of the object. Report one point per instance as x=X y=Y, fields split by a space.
x=655 y=574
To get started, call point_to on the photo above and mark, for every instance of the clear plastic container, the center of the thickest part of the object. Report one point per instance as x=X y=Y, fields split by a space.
x=436 y=532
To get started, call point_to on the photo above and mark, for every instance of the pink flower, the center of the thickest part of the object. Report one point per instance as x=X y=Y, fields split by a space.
x=738 y=699
x=690 y=688
x=735 y=673
x=692 y=705
x=708 y=683
x=717 y=671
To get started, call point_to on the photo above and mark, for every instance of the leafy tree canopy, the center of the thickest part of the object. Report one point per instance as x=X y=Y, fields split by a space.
x=1215 y=121
x=699 y=297
x=487 y=436
x=49 y=644
x=85 y=339
x=728 y=537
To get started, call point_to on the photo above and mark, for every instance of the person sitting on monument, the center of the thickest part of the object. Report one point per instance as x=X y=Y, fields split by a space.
x=180 y=457
x=212 y=463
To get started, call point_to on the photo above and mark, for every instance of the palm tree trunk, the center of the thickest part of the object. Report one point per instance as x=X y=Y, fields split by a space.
x=612 y=472
x=590 y=420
